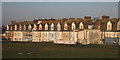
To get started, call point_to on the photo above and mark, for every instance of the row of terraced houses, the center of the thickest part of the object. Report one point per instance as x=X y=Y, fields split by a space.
x=66 y=31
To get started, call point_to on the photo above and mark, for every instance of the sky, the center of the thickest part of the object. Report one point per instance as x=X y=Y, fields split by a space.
x=60 y=0
x=21 y=11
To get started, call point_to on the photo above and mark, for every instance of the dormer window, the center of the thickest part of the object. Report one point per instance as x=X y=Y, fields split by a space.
x=40 y=27
x=29 y=27
x=35 y=27
x=58 y=26
x=73 y=26
x=52 y=26
x=24 y=27
x=81 y=26
x=11 y=27
x=98 y=27
x=90 y=26
x=118 y=25
x=65 y=26
x=109 y=25
x=46 y=26
x=15 y=27
x=7 y=27
x=20 y=27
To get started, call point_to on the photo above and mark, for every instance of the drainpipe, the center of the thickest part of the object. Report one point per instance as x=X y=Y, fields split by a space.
x=86 y=37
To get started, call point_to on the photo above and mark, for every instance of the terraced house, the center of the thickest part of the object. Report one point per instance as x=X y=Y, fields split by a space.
x=66 y=31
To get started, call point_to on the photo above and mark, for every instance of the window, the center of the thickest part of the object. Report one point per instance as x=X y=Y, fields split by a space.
x=52 y=28
x=98 y=27
x=108 y=27
x=119 y=26
x=40 y=34
x=117 y=35
x=15 y=34
x=46 y=34
x=73 y=27
x=109 y=35
x=40 y=28
x=15 y=38
x=114 y=35
x=81 y=27
x=19 y=38
x=65 y=27
x=66 y=35
x=11 y=34
x=46 y=28
x=19 y=34
x=106 y=34
x=58 y=27
x=52 y=35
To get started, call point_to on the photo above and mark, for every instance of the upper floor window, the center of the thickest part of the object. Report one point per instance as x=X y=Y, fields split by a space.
x=65 y=27
x=119 y=26
x=19 y=34
x=109 y=27
x=15 y=34
x=40 y=34
x=118 y=35
x=106 y=34
x=52 y=35
x=109 y=35
x=66 y=35
x=81 y=27
x=46 y=34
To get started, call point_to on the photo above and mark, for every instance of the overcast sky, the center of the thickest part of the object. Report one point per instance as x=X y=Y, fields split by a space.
x=21 y=11
x=60 y=0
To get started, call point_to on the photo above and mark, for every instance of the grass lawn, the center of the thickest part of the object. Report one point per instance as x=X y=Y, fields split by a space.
x=50 y=50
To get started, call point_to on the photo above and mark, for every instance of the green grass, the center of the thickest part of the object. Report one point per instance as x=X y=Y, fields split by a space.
x=50 y=50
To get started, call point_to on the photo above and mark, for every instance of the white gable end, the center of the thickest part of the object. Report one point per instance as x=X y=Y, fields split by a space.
x=73 y=25
x=109 y=25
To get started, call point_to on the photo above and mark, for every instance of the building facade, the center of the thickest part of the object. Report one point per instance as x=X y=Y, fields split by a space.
x=65 y=31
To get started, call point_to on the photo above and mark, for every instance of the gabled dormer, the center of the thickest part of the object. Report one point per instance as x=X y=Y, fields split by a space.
x=109 y=25
x=73 y=26
x=52 y=26
x=40 y=27
x=29 y=27
x=46 y=26
x=11 y=28
x=35 y=27
x=118 y=25
x=15 y=27
x=81 y=25
x=20 y=27
x=7 y=27
x=58 y=26
x=65 y=26
x=24 y=27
